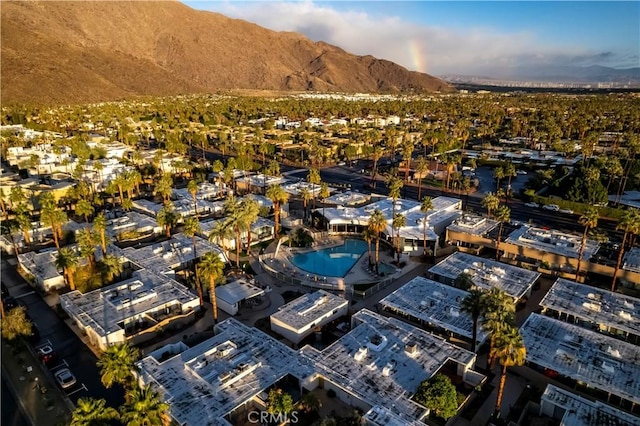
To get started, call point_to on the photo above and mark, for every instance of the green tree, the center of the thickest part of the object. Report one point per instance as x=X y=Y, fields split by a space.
x=498 y=174
x=278 y=196
x=464 y=281
x=323 y=194
x=368 y=236
x=589 y=220
x=23 y=219
x=250 y=211
x=164 y=187
x=503 y=215
x=630 y=225
x=15 y=324
x=425 y=207
x=473 y=305
x=398 y=222
x=110 y=267
x=84 y=208
x=314 y=179
x=211 y=268
x=192 y=187
x=310 y=403
x=510 y=351
x=377 y=224
x=306 y=196
x=117 y=364
x=67 y=260
x=499 y=313
x=395 y=187
x=93 y=412
x=100 y=227
x=490 y=202
x=422 y=167
x=191 y=229
x=220 y=233
x=145 y=408
x=279 y=402
x=439 y=395
x=167 y=218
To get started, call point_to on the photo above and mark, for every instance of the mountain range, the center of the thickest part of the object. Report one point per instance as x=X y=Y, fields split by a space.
x=76 y=52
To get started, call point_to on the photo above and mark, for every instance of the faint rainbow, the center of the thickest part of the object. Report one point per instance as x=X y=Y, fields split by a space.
x=417 y=56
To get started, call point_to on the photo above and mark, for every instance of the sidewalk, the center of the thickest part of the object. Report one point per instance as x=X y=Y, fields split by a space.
x=25 y=376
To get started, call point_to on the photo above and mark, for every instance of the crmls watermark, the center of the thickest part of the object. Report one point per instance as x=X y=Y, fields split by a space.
x=264 y=417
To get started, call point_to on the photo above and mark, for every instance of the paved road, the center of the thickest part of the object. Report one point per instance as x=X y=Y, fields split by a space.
x=12 y=415
x=69 y=348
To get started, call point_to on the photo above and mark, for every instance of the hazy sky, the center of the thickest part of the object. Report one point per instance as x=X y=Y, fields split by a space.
x=471 y=37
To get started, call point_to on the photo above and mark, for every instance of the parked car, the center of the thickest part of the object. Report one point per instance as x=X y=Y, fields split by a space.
x=567 y=211
x=552 y=207
x=46 y=354
x=535 y=205
x=65 y=378
x=521 y=172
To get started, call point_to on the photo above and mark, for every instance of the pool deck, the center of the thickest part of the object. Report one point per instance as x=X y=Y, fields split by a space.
x=358 y=274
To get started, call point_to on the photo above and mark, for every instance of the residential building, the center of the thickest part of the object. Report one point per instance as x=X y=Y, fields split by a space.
x=231 y=296
x=307 y=314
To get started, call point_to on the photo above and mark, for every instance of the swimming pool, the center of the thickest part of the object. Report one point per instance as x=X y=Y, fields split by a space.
x=331 y=262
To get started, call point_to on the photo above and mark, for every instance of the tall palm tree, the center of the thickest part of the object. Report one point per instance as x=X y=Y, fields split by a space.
x=473 y=305
x=164 y=187
x=377 y=153
x=305 y=195
x=425 y=207
x=52 y=216
x=498 y=174
x=368 y=236
x=145 y=407
x=377 y=224
x=117 y=365
x=395 y=187
x=211 y=268
x=23 y=219
x=191 y=228
x=503 y=215
x=220 y=233
x=630 y=224
x=84 y=208
x=110 y=267
x=422 y=166
x=510 y=351
x=67 y=260
x=93 y=412
x=589 y=220
x=192 y=187
x=499 y=312
x=278 y=196
x=250 y=212
x=235 y=217
x=100 y=227
x=167 y=218
x=490 y=202
x=314 y=179
x=399 y=221
x=509 y=172
x=324 y=194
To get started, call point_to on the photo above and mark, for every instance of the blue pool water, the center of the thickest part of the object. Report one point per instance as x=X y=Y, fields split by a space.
x=331 y=262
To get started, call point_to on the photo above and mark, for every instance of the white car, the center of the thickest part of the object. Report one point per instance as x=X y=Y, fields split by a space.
x=65 y=378
x=535 y=205
x=552 y=207
x=567 y=211
x=521 y=172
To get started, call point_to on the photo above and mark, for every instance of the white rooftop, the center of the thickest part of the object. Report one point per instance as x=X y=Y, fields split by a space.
x=595 y=359
x=378 y=362
x=106 y=310
x=552 y=241
x=472 y=224
x=580 y=411
x=41 y=264
x=237 y=291
x=130 y=221
x=204 y=383
x=592 y=304
x=487 y=273
x=381 y=416
x=348 y=198
x=294 y=188
x=434 y=303
x=165 y=256
x=308 y=308
x=261 y=180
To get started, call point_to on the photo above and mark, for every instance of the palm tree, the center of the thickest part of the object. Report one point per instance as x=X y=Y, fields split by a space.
x=422 y=166
x=117 y=365
x=164 y=187
x=52 y=216
x=498 y=173
x=87 y=245
x=368 y=236
x=630 y=224
x=305 y=195
x=314 y=179
x=398 y=222
x=395 y=187
x=211 y=268
x=503 y=215
x=323 y=194
x=377 y=224
x=589 y=220
x=509 y=172
x=235 y=217
x=250 y=212
x=192 y=187
x=378 y=152
x=473 y=305
x=499 y=313
x=84 y=208
x=220 y=232
x=23 y=219
x=93 y=412
x=110 y=267
x=100 y=226
x=490 y=202
x=510 y=351
x=167 y=217
x=278 y=196
x=67 y=260
x=191 y=228
x=425 y=207
x=145 y=408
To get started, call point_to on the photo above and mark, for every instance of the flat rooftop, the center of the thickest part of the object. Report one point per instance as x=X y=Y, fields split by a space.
x=592 y=304
x=384 y=360
x=130 y=221
x=381 y=416
x=552 y=241
x=166 y=256
x=294 y=188
x=41 y=264
x=237 y=291
x=581 y=411
x=472 y=224
x=106 y=309
x=206 y=382
x=631 y=260
x=308 y=308
x=348 y=198
x=487 y=273
x=595 y=359
x=434 y=303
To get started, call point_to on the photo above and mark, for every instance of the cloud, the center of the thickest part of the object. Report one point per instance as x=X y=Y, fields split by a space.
x=431 y=49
